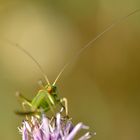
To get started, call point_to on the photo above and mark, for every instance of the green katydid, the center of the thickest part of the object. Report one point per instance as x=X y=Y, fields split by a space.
x=47 y=98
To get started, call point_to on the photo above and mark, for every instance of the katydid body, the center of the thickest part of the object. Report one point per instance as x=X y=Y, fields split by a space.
x=45 y=100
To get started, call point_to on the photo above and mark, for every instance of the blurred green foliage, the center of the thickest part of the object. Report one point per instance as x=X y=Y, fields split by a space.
x=102 y=86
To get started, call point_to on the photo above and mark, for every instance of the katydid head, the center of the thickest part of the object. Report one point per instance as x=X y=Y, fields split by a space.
x=51 y=89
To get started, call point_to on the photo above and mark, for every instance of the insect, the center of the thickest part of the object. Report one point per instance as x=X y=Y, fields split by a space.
x=47 y=99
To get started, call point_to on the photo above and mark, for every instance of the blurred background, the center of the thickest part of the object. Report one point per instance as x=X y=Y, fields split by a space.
x=102 y=85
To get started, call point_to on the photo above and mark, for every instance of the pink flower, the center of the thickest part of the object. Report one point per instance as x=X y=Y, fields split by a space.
x=57 y=128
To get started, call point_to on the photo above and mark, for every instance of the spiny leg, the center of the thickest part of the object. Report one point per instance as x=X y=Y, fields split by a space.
x=50 y=103
x=65 y=105
x=25 y=101
x=20 y=96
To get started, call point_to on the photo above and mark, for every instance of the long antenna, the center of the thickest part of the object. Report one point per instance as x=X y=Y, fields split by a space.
x=94 y=40
x=30 y=56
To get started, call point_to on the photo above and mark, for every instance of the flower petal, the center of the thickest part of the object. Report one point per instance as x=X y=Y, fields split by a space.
x=85 y=137
x=24 y=132
x=45 y=128
x=75 y=130
x=37 y=134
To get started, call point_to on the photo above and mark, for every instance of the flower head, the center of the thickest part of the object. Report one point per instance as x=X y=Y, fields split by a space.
x=56 y=128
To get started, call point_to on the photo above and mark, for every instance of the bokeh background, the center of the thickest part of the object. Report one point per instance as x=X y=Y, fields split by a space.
x=102 y=85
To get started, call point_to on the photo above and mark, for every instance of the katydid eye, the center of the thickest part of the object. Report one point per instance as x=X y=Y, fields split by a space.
x=49 y=89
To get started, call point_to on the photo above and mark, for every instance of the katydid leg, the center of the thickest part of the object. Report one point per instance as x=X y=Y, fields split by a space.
x=65 y=101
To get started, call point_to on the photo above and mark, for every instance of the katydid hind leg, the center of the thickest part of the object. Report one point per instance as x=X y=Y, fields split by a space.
x=26 y=103
x=24 y=100
x=23 y=113
x=22 y=97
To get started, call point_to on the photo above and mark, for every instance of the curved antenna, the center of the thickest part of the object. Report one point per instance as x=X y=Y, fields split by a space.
x=32 y=58
x=93 y=41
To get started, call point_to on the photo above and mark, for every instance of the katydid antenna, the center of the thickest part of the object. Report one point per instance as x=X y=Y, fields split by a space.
x=107 y=29
x=31 y=57
x=89 y=44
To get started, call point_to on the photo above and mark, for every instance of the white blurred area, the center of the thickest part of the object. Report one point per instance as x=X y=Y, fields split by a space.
x=45 y=34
